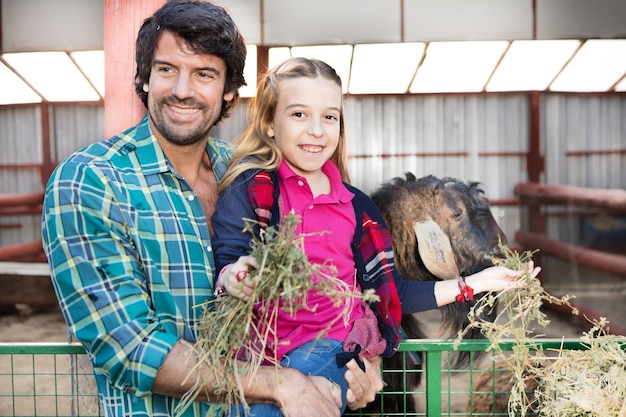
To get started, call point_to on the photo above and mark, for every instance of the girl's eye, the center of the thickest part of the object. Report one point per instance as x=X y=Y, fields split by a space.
x=332 y=117
x=298 y=114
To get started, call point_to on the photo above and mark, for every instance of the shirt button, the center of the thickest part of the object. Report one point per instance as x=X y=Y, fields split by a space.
x=209 y=249
x=311 y=207
x=191 y=197
x=300 y=183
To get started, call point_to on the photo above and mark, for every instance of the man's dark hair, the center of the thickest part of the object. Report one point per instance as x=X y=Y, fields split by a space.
x=206 y=29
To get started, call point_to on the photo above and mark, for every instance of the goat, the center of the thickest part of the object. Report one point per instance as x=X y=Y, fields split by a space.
x=440 y=228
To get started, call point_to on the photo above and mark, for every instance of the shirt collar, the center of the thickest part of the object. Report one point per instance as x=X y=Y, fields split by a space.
x=152 y=159
x=338 y=190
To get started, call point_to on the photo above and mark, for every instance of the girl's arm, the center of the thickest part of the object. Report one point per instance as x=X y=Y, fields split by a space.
x=495 y=278
x=233 y=208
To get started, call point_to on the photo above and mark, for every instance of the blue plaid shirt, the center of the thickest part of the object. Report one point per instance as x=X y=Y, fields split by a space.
x=131 y=260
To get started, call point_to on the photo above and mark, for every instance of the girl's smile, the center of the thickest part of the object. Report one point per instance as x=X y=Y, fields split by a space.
x=306 y=124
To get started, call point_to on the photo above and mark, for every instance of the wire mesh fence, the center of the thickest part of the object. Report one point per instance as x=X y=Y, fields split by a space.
x=481 y=388
x=52 y=380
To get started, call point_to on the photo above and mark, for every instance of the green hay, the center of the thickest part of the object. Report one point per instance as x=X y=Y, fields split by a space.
x=230 y=343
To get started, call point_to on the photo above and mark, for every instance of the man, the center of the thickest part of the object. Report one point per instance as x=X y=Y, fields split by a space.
x=126 y=227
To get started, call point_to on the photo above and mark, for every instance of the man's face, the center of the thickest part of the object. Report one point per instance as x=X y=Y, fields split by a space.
x=185 y=92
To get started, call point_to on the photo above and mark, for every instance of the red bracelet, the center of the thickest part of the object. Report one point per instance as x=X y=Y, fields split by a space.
x=467 y=292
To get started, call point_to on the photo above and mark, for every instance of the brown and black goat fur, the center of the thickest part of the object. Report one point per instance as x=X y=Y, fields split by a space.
x=440 y=228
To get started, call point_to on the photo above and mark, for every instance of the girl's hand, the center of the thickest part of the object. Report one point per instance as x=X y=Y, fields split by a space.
x=236 y=280
x=499 y=278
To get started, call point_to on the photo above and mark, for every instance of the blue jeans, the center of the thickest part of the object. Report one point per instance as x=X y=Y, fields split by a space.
x=313 y=358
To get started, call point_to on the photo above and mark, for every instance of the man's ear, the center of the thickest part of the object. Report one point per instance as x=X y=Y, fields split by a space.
x=145 y=87
x=229 y=96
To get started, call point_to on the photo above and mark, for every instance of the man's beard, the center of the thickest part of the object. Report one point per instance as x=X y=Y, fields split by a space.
x=181 y=136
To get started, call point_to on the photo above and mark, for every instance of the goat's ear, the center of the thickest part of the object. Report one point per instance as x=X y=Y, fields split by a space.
x=435 y=249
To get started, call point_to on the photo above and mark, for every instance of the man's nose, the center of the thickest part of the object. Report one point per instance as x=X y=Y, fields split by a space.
x=183 y=87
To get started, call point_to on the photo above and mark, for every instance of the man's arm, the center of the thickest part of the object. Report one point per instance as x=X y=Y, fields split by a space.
x=296 y=394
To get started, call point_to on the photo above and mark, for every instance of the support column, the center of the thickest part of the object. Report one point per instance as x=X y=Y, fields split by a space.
x=122 y=20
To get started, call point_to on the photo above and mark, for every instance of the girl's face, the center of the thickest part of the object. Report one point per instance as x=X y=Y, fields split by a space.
x=307 y=121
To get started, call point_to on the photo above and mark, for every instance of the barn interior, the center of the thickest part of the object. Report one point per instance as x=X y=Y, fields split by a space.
x=527 y=97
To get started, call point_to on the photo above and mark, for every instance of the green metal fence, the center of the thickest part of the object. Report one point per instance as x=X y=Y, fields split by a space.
x=51 y=380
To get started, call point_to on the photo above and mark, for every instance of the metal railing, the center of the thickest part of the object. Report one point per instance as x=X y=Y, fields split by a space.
x=55 y=379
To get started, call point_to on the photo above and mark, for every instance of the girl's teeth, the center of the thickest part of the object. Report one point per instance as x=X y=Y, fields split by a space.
x=312 y=148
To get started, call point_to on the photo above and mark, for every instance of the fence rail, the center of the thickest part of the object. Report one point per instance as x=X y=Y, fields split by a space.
x=54 y=379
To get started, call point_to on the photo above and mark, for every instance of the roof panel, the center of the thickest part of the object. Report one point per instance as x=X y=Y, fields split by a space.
x=52 y=25
x=462 y=20
x=562 y=19
x=331 y=22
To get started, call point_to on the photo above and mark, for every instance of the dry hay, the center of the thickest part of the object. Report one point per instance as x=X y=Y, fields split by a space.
x=587 y=383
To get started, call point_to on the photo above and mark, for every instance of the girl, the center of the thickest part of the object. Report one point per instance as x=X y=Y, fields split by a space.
x=292 y=156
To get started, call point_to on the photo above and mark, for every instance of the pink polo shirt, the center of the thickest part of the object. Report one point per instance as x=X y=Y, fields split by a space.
x=334 y=214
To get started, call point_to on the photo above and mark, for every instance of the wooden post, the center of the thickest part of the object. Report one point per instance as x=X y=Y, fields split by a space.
x=122 y=20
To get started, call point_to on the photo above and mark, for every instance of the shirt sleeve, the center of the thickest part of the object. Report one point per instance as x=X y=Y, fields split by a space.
x=99 y=280
x=416 y=296
x=233 y=208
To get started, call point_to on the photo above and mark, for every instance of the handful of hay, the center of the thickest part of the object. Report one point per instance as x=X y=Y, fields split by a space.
x=233 y=334
x=590 y=383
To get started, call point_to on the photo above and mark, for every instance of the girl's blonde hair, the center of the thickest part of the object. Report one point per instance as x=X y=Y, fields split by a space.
x=255 y=149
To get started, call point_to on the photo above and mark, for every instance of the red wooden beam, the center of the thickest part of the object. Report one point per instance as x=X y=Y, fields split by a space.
x=46 y=145
x=588 y=258
x=609 y=199
x=535 y=162
x=19 y=210
x=32 y=251
x=23 y=199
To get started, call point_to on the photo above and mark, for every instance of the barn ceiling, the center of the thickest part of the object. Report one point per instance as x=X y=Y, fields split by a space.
x=423 y=46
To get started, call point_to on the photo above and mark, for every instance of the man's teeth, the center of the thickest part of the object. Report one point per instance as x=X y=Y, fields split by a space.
x=184 y=111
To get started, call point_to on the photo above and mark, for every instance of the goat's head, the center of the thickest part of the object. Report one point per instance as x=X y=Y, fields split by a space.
x=440 y=227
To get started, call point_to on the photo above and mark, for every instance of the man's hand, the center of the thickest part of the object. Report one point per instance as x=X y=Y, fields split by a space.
x=308 y=396
x=363 y=386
